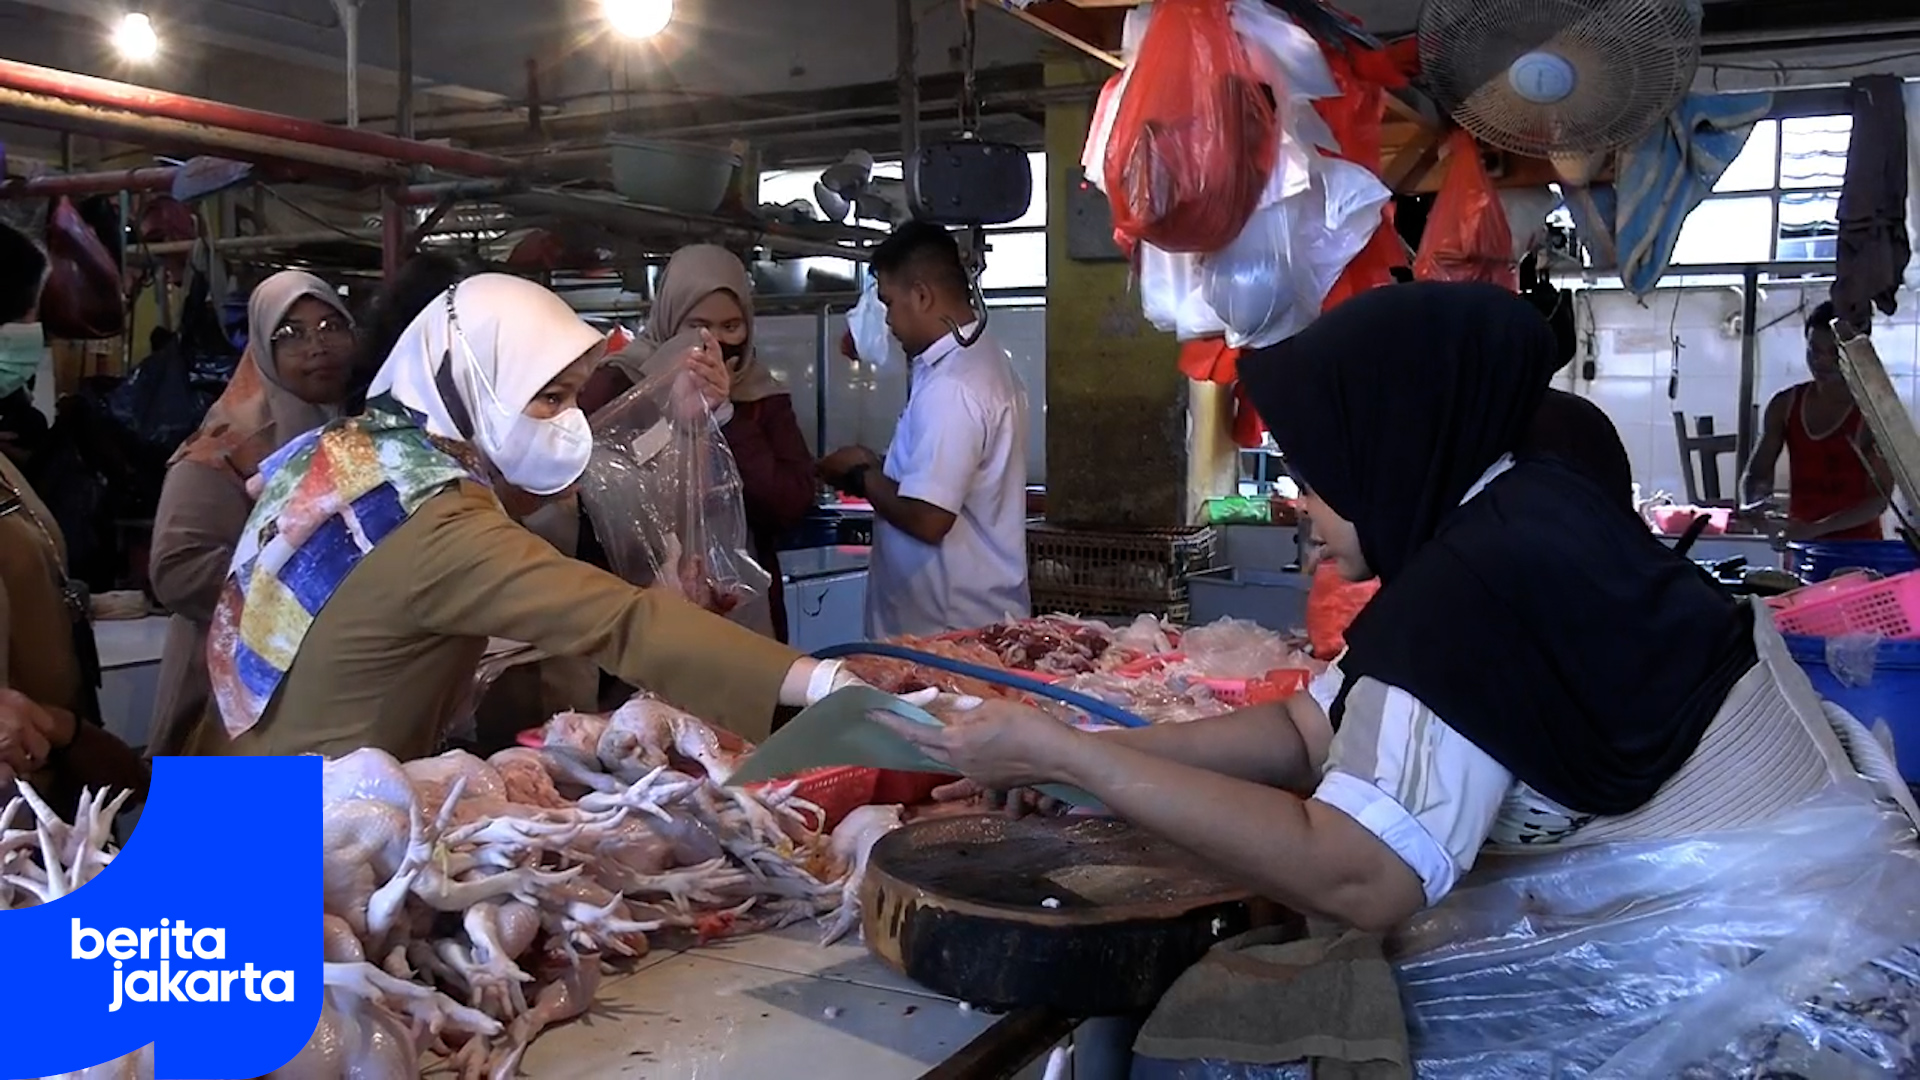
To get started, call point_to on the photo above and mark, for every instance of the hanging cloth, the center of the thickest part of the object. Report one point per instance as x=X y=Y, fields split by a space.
x=1669 y=171
x=1873 y=250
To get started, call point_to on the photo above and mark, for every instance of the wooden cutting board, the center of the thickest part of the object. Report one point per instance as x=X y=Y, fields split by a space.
x=1086 y=916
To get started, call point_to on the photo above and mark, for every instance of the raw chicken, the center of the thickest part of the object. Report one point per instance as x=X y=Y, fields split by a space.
x=852 y=842
x=645 y=733
x=135 y=1066
x=469 y=903
x=41 y=864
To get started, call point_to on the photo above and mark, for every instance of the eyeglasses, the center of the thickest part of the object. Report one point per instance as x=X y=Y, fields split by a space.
x=328 y=329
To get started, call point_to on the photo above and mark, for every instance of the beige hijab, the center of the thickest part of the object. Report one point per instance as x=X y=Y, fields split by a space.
x=257 y=414
x=693 y=274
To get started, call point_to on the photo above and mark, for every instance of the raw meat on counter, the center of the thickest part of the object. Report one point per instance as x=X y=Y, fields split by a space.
x=471 y=904
x=1136 y=668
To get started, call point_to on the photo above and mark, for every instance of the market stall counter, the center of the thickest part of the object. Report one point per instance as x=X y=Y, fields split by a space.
x=768 y=1005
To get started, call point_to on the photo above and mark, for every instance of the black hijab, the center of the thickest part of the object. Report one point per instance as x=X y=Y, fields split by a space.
x=1555 y=632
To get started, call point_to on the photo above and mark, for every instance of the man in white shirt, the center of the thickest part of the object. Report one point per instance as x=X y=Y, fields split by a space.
x=950 y=500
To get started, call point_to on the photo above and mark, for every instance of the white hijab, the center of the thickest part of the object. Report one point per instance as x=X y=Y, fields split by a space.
x=514 y=337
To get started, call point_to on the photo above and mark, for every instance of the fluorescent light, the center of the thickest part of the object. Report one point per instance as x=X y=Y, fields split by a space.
x=135 y=39
x=638 y=18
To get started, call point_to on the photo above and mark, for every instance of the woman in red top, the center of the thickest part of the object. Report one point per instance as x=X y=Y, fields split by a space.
x=703 y=318
x=1837 y=482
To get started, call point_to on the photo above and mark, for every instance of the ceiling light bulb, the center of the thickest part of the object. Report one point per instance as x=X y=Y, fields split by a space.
x=135 y=38
x=638 y=18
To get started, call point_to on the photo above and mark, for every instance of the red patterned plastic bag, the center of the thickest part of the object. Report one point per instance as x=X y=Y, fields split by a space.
x=1194 y=136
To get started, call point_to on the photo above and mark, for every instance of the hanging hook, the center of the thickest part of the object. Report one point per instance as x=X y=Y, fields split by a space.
x=974 y=257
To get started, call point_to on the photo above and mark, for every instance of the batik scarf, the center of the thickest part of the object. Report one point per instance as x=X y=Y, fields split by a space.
x=327 y=499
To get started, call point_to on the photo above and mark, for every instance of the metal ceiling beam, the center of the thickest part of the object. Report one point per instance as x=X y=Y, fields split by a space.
x=104 y=13
x=1095 y=34
x=29 y=91
x=993 y=84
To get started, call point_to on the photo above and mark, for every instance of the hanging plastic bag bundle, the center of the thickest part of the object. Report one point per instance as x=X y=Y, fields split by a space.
x=1467 y=236
x=664 y=495
x=1193 y=138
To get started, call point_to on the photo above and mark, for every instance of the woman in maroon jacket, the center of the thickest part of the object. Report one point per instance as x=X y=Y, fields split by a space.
x=704 y=307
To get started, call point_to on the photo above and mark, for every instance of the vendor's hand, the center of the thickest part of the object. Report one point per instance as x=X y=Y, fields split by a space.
x=1799 y=532
x=835 y=466
x=1019 y=802
x=29 y=733
x=998 y=744
x=709 y=370
x=256 y=484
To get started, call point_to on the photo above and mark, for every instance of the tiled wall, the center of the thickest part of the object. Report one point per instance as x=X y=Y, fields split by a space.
x=862 y=404
x=1632 y=343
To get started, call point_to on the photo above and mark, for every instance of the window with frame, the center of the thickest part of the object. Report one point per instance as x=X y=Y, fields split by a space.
x=1778 y=202
x=1016 y=252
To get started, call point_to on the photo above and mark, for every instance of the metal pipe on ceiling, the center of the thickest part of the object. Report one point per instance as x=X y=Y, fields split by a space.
x=47 y=110
x=350 y=21
x=907 y=49
x=157 y=178
x=30 y=88
x=403 y=107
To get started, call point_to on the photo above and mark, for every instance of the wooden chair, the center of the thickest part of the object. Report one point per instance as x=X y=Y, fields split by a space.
x=1700 y=459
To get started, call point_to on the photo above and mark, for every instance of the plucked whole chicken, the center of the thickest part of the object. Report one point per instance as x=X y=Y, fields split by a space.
x=471 y=904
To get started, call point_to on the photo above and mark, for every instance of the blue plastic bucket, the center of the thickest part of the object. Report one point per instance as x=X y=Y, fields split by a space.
x=1892 y=696
x=1819 y=561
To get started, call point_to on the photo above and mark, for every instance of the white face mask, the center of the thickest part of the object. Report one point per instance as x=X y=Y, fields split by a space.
x=545 y=457
x=540 y=457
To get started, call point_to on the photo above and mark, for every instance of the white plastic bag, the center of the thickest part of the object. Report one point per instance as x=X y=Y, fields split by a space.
x=1273 y=280
x=867 y=323
x=1170 y=295
x=1291 y=63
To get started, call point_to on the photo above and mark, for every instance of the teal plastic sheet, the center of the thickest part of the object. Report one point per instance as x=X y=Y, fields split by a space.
x=836 y=731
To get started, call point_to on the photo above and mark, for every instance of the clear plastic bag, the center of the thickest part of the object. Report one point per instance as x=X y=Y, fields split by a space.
x=1234 y=649
x=1851 y=658
x=1746 y=953
x=1787 y=950
x=664 y=495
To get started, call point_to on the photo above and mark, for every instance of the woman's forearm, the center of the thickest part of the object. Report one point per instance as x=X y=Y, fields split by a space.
x=1260 y=744
x=1298 y=852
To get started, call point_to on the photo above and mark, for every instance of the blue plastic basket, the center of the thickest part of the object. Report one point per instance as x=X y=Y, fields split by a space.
x=1893 y=695
x=1819 y=561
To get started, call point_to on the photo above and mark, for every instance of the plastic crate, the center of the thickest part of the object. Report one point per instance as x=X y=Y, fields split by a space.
x=1853 y=605
x=1123 y=610
x=1276 y=685
x=837 y=790
x=1094 y=572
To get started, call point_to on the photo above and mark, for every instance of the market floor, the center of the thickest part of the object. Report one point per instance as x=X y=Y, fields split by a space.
x=768 y=1005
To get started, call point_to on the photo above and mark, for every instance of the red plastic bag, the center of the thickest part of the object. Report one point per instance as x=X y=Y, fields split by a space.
x=81 y=300
x=1332 y=604
x=1467 y=237
x=1364 y=77
x=1194 y=134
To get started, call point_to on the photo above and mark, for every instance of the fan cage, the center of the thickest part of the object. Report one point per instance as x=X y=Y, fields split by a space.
x=1635 y=60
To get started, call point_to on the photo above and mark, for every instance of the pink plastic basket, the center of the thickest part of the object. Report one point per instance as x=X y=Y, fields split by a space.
x=1851 y=605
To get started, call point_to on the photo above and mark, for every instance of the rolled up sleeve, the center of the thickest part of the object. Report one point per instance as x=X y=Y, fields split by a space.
x=938 y=465
x=477 y=574
x=1421 y=787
